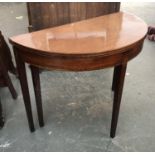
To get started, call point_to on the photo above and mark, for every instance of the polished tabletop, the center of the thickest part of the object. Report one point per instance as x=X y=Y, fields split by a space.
x=104 y=34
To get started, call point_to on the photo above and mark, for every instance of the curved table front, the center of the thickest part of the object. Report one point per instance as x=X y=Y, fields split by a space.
x=106 y=41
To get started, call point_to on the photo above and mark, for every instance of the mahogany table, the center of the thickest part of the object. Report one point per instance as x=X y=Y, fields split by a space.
x=105 y=41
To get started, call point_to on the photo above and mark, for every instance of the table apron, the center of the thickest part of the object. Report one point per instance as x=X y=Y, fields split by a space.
x=55 y=62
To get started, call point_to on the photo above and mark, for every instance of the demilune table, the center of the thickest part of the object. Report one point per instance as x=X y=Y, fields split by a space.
x=105 y=41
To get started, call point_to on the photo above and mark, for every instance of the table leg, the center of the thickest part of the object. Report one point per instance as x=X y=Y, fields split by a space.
x=37 y=90
x=115 y=77
x=24 y=86
x=1 y=116
x=119 y=82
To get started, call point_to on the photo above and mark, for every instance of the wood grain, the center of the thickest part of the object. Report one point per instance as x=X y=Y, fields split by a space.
x=43 y=15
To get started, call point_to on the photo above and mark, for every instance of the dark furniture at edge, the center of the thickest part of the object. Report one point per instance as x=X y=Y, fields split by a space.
x=6 y=65
x=1 y=116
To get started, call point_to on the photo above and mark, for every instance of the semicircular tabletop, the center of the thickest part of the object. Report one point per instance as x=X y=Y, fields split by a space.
x=101 y=34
